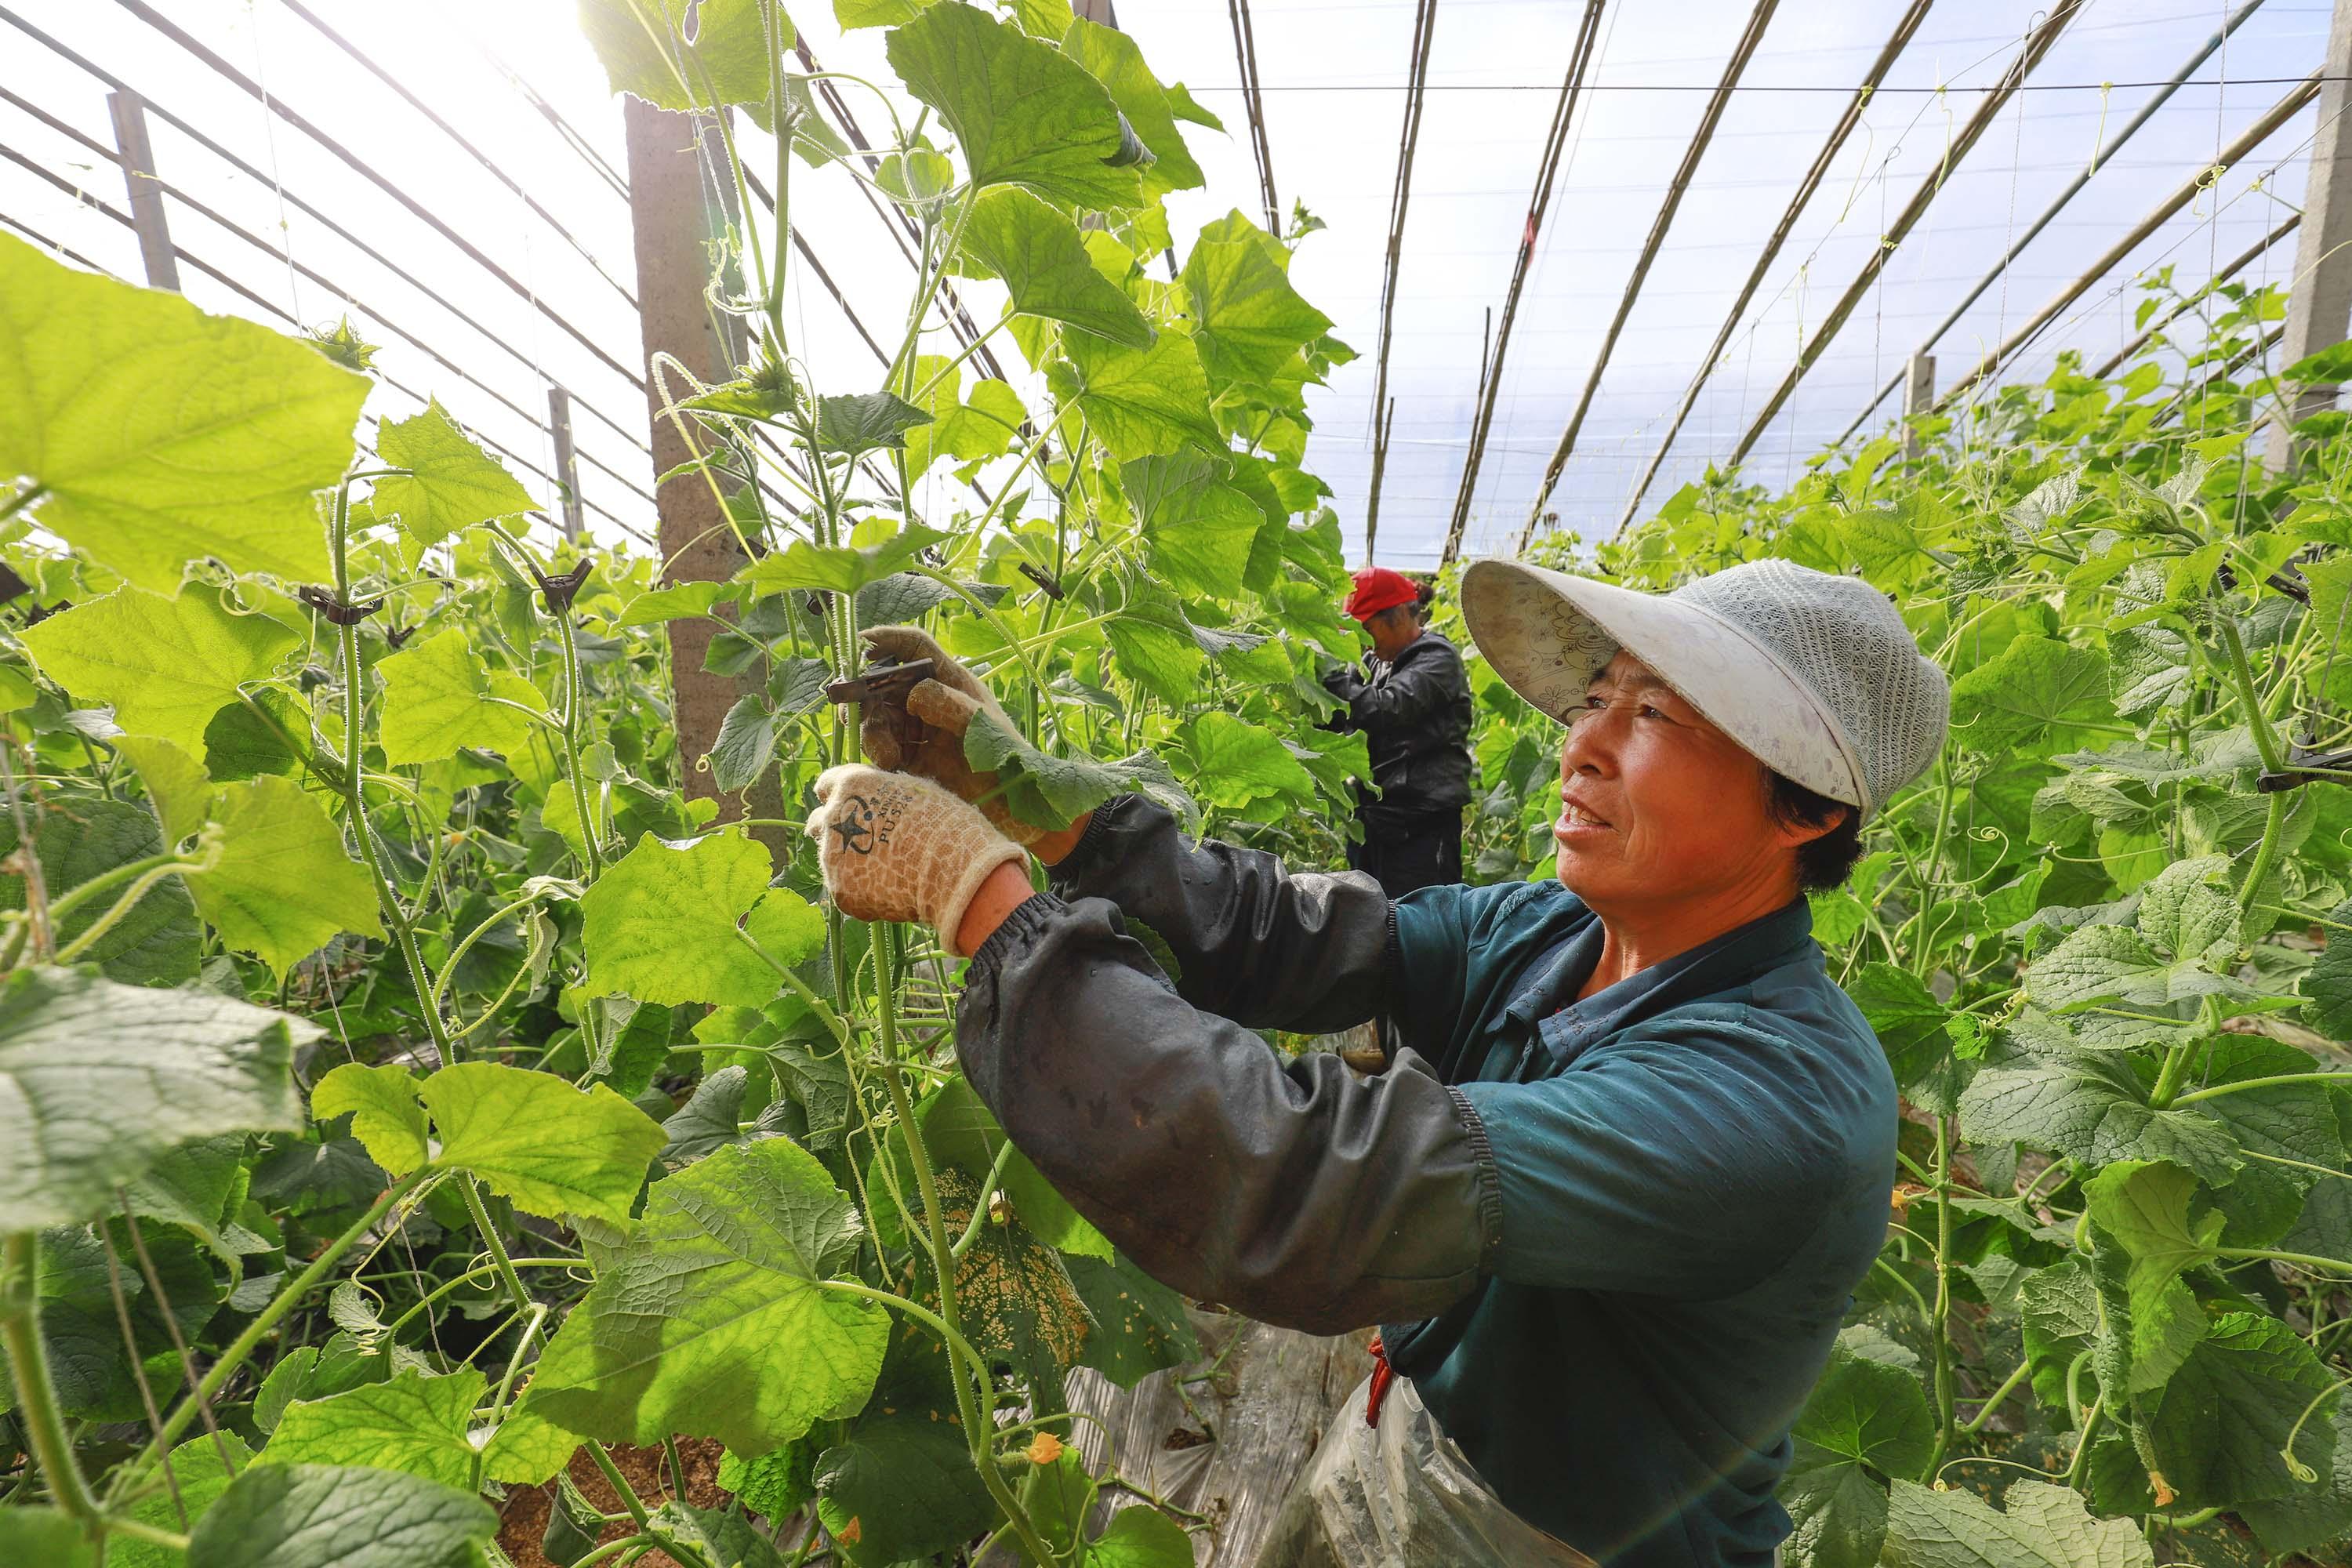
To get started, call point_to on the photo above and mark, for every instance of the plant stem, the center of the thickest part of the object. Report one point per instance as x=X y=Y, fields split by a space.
x=173 y=864
x=490 y=1238
x=243 y=1345
x=618 y=1482
x=2081 y=1464
x=1999 y=1394
x=2242 y=674
x=450 y=965
x=37 y=1396
x=2265 y=852
x=20 y=500
x=1946 y=1390
x=2219 y=1089
x=979 y=1418
x=355 y=786
x=979 y=1204
x=439 y=1291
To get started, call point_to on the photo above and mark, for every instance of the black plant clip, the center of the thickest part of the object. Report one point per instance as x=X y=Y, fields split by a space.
x=398 y=636
x=39 y=613
x=814 y=604
x=11 y=586
x=561 y=588
x=1044 y=579
x=334 y=609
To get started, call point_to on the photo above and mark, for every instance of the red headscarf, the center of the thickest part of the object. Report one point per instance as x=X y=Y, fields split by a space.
x=1377 y=589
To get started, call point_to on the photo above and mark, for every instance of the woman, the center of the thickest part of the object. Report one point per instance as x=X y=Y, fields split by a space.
x=1634 y=1150
x=1412 y=705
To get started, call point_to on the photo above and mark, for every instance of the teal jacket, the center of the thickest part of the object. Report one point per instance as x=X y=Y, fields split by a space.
x=1611 y=1241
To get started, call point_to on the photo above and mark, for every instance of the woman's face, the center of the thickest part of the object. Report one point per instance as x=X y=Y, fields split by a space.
x=1658 y=806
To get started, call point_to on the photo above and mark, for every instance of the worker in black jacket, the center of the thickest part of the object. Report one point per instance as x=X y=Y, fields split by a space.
x=1412 y=703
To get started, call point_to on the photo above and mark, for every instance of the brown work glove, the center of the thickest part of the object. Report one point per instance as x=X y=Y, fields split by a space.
x=921 y=730
x=896 y=847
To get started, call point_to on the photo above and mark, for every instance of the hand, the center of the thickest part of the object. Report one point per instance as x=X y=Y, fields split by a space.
x=896 y=847
x=922 y=730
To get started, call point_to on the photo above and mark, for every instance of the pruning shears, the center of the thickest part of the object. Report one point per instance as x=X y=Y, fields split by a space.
x=879 y=681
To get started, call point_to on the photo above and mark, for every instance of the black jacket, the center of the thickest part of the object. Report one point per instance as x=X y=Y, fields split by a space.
x=1415 y=717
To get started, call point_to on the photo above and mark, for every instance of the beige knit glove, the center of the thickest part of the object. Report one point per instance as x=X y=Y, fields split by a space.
x=895 y=848
x=922 y=731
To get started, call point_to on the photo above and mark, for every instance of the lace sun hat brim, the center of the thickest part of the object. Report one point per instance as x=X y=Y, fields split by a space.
x=1547 y=634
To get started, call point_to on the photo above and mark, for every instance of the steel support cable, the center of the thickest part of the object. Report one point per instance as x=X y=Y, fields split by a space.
x=228 y=72
x=240 y=231
x=2038 y=45
x=2252 y=137
x=1424 y=27
x=1742 y=52
x=202 y=210
x=2099 y=161
x=270 y=305
x=293 y=198
x=1571 y=89
x=1253 y=108
x=2245 y=258
x=901 y=226
x=1896 y=42
x=451 y=131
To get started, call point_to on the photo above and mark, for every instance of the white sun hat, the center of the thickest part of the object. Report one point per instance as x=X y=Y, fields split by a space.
x=1814 y=674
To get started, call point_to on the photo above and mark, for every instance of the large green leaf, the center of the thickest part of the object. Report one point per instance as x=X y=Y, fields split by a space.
x=2092 y=1107
x=1837 y=1511
x=2037 y=684
x=663 y=923
x=414 y=1423
x=2045 y=1527
x=1198 y=528
x=2145 y=1207
x=103 y=1079
x=1912 y=1028
x=851 y=423
x=387 y=1116
x=2216 y=1430
x=647 y=51
x=198 y=1479
x=908 y=1485
x=451 y=482
x=437 y=701
x=1036 y=250
x=1141 y=1325
x=1869 y=1412
x=1137 y=402
x=967 y=428
x=1112 y=58
x=178 y=789
x=873 y=554
x=162 y=435
x=680 y=1332
x=534 y=1139
x=1054 y=791
x=1236 y=764
x=45 y=1536
x=284 y=886
x=1247 y=320
x=340 y=1516
x=1023 y=112
x=155 y=943
x=166 y=665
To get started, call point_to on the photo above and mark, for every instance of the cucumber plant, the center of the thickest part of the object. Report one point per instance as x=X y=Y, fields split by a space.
x=423 y=1072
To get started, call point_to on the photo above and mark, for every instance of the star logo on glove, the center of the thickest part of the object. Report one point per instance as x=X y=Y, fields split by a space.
x=856 y=826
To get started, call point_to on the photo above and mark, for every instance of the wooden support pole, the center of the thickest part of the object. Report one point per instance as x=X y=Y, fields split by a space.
x=2319 y=302
x=675 y=217
x=1919 y=397
x=130 y=113
x=567 y=465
